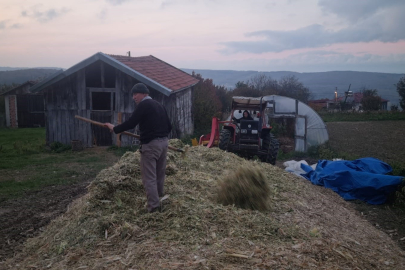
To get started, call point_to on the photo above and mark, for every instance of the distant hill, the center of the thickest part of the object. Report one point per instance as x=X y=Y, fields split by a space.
x=22 y=75
x=10 y=68
x=320 y=84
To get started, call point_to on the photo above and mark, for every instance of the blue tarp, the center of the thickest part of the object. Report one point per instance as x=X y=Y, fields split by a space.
x=364 y=179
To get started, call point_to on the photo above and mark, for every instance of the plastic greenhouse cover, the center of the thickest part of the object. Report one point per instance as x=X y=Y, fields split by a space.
x=313 y=126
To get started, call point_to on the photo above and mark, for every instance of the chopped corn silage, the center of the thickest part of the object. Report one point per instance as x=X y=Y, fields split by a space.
x=246 y=188
x=305 y=227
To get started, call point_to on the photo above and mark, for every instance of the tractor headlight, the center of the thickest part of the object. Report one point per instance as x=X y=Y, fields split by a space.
x=254 y=131
x=244 y=131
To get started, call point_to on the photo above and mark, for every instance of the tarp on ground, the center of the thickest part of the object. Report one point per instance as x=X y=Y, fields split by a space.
x=364 y=179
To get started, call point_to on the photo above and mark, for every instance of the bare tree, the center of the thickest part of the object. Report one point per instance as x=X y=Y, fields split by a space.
x=263 y=83
x=291 y=87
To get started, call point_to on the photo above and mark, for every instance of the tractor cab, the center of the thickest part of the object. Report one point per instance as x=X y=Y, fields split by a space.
x=247 y=135
x=246 y=124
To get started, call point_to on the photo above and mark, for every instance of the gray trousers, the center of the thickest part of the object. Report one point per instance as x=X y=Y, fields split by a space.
x=153 y=168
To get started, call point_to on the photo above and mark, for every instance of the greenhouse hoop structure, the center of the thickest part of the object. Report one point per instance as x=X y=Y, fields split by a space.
x=309 y=128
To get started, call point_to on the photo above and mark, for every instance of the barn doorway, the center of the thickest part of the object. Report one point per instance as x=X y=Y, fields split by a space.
x=102 y=107
x=30 y=111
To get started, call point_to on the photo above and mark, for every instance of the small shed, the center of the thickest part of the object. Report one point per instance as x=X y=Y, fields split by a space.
x=22 y=108
x=98 y=88
x=307 y=126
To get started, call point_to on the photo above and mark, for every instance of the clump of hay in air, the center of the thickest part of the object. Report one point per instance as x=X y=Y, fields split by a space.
x=246 y=188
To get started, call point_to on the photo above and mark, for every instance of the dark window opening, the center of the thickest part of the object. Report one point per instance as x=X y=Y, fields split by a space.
x=93 y=75
x=103 y=101
x=109 y=76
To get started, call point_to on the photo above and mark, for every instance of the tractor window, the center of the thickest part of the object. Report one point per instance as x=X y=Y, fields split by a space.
x=238 y=114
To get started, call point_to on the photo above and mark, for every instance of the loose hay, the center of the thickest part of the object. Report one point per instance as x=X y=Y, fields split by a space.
x=307 y=227
x=246 y=188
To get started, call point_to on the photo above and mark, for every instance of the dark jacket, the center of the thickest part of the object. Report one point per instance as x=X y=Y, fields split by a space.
x=152 y=119
x=243 y=118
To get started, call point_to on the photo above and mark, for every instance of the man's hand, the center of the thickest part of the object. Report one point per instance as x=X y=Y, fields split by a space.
x=110 y=126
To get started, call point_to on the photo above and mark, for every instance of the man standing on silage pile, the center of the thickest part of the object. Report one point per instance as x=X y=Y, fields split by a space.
x=154 y=127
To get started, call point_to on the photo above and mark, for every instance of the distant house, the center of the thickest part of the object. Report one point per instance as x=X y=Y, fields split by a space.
x=319 y=104
x=358 y=97
x=336 y=103
x=325 y=104
x=22 y=108
x=99 y=87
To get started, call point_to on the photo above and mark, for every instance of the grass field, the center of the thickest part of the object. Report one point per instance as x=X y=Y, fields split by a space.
x=26 y=164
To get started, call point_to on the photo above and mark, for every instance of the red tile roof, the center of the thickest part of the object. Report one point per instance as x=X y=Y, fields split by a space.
x=159 y=71
x=324 y=100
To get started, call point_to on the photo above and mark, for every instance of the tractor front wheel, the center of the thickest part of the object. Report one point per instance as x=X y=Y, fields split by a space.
x=224 y=139
x=271 y=145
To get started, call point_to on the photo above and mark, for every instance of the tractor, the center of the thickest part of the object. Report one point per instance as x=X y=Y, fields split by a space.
x=246 y=138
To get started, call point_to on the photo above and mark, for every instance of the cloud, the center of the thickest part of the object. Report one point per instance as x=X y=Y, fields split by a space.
x=16 y=26
x=44 y=16
x=117 y=2
x=323 y=60
x=6 y=24
x=102 y=15
x=381 y=26
x=167 y=4
x=332 y=57
x=3 y=24
x=357 y=10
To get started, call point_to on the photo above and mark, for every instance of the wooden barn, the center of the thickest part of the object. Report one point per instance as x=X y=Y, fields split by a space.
x=24 y=109
x=98 y=88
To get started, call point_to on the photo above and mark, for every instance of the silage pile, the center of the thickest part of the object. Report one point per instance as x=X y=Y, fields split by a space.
x=304 y=226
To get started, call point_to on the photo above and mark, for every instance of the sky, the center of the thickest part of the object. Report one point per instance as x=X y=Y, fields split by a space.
x=259 y=35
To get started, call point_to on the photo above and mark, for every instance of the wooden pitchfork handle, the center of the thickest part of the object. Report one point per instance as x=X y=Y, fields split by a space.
x=125 y=132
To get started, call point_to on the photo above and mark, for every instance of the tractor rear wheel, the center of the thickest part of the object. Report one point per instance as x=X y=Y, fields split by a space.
x=224 y=139
x=271 y=145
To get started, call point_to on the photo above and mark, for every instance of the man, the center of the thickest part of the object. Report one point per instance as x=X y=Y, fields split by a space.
x=154 y=127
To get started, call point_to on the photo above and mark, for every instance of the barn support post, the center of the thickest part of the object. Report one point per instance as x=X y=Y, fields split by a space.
x=119 y=121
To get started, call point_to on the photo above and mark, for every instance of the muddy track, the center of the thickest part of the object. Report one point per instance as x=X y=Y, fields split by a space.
x=26 y=217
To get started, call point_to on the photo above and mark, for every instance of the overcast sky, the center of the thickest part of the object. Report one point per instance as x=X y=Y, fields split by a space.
x=273 y=35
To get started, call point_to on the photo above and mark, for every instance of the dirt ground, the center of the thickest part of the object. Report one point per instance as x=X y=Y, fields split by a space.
x=25 y=217
x=382 y=140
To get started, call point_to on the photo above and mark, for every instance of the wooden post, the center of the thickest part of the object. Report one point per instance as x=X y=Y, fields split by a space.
x=119 y=121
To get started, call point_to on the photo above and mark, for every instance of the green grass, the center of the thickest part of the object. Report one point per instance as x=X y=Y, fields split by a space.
x=364 y=116
x=27 y=164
